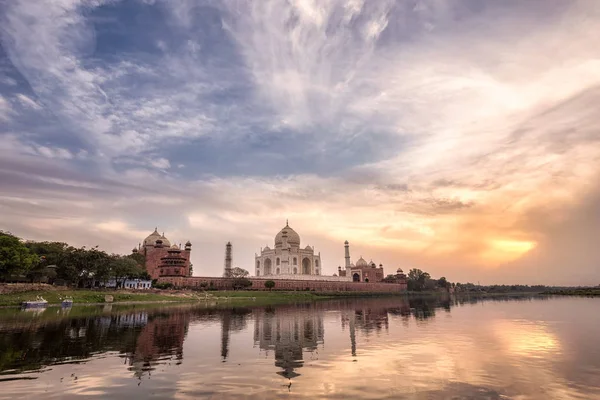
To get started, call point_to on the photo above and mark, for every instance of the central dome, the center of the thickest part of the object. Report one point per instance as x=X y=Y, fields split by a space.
x=292 y=237
x=152 y=238
x=361 y=262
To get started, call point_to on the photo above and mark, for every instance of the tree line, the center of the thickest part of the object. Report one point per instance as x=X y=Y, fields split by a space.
x=419 y=281
x=33 y=261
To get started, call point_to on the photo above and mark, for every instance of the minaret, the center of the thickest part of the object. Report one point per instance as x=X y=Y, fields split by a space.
x=227 y=272
x=347 y=249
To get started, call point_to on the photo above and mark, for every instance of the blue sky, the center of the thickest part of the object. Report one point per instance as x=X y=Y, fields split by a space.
x=455 y=136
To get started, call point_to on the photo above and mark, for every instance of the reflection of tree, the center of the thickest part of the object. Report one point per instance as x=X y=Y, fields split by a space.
x=289 y=332
x=31 y=348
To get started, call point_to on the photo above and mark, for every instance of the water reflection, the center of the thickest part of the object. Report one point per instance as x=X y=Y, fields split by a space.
x=288 y=332
x=387 y=347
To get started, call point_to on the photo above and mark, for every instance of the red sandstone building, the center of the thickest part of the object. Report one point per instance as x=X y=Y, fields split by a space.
x=163 y=259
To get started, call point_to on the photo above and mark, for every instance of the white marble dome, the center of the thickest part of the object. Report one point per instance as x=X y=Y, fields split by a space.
x=292 y=236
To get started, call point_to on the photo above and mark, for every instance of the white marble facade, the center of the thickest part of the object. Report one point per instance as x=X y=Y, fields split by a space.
x=287 y=260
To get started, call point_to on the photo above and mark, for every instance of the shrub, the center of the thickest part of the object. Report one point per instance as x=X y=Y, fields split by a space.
x=166 y=285
x=269 y=284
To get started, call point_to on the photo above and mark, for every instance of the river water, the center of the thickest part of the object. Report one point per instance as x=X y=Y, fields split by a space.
x=500 y=348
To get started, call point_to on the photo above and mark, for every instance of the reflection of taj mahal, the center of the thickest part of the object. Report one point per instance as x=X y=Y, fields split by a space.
x=288 y=335
x=287 y=259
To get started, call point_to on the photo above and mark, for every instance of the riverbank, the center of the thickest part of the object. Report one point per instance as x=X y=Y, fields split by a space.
x=588 y=292
x=82 y=296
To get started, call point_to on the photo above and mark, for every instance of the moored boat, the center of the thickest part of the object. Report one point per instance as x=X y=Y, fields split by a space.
x=37 y=303
x=67 y=302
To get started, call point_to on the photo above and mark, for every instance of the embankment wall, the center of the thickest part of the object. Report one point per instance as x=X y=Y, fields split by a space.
x=283 y=284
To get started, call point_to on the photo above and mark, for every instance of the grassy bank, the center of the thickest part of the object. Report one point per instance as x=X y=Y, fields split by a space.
x=575 y=292
x=91 y=296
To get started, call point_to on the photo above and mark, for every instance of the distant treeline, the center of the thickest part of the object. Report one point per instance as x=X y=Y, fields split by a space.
x=30 y=261
x=421 y=281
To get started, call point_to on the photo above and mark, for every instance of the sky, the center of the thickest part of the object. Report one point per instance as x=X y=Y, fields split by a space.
x=460 y=137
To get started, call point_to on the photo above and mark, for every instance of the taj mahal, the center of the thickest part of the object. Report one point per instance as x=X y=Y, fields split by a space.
x=288 y=260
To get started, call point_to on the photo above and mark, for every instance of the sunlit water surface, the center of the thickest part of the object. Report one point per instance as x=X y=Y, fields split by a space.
x=502 y=348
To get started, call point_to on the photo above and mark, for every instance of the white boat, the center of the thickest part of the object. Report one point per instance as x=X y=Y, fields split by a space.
x=68 y=302
x=37 y=303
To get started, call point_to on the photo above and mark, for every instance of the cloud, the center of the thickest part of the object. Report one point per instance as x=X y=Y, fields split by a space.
x=5 y=109
x=444 y=135
x=27 y=102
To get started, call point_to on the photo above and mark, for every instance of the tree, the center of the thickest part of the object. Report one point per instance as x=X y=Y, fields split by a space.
x=241 y=283
x=124 y=267
x=238 y=272
x=139 y=258
x=15 y=257
x=270 y=284
x=240 y=280
x=443 y=283
x=417 y=279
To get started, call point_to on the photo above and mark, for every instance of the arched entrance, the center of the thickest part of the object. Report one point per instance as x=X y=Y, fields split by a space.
x=267 y=267
x=356 y=278
x=306 y=266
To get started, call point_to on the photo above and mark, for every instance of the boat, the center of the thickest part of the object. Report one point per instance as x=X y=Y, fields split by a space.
x=37 y=303
x=68 y=302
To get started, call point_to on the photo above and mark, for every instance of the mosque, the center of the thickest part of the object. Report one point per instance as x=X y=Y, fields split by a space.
x=163 y=259
x=288 y=260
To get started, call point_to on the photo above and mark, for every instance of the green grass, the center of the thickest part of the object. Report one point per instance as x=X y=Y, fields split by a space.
x=86 y=297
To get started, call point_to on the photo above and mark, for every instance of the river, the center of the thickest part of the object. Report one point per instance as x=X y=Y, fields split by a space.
x=419 y=348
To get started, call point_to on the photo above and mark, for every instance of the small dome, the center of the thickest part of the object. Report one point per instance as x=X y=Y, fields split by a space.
x=361 y=262
x=165 y=241
x=135 y=250
x=188 y=244
x=151 y=239
x=175 y=247
x=399 y=270
x=292 y=237
x=308 y=248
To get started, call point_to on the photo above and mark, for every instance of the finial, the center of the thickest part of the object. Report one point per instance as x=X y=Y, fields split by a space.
x=286 y=222
x=156 y=229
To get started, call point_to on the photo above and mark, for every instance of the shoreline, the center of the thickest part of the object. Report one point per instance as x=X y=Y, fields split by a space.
x=90 y=297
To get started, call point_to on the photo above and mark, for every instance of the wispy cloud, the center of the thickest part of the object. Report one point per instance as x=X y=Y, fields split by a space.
x=432 y=133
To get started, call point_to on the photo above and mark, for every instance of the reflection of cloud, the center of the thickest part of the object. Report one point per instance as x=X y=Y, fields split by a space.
x=524 y=338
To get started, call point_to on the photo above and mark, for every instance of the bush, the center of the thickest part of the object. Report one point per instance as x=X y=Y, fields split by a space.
x=241 y=283
x=166 y=285
x=269 y=284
